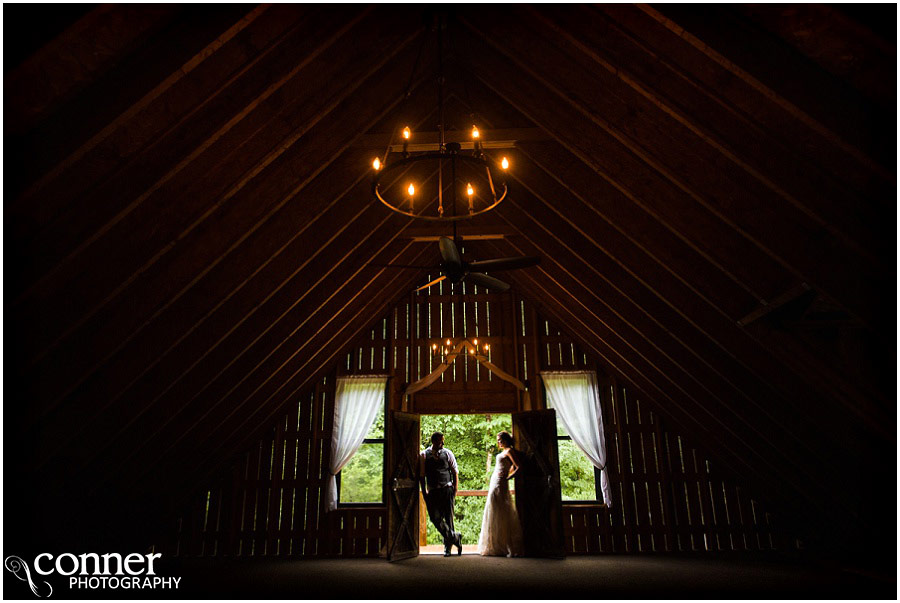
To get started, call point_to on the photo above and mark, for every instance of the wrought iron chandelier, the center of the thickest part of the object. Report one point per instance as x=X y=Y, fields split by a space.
x=474 y=184
x=461 y=347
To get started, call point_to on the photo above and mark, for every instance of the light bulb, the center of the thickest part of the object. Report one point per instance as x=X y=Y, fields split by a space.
x=411 y=190
x=376 y=164
x=475 y=342
x=448 y=342
x=469 y=190
x=471 y=350
x=505 y=163
x=434 y=347
x=475 y=132
x=406 y=133
x=486 y=347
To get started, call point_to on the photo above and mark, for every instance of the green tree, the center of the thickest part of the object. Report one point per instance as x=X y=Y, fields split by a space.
x=576 y=473
x=361 y=478
x=473 y=440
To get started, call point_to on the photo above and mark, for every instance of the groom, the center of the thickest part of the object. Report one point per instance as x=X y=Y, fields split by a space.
x=437 y=465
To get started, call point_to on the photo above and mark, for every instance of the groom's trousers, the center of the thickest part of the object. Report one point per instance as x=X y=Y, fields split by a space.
x=440 y=510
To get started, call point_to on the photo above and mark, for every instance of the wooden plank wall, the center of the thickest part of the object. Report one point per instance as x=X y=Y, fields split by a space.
x=667 y=495
x=272 y=502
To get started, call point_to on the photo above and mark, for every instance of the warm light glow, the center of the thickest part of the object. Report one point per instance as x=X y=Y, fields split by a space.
x=475 y=132
x=471 y=350
x=411 y=190
x=406 y=133
x=475 y=342
x=448 y=342
x=434 y=347
x=376 y=164
x=469 y=190
x=505 y=163
x=487 y=347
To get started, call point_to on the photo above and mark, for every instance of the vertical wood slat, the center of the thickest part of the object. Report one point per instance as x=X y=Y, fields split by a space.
x=663 y=486
x=657 y=502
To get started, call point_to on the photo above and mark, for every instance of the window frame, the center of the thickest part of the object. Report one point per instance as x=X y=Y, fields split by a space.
x=383 y=441
x=598 y=493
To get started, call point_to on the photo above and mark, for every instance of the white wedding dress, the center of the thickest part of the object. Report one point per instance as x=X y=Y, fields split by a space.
x=501 y=533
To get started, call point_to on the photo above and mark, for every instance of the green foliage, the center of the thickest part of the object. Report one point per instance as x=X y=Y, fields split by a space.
x=576 y=473
x=361 y=478
x=473 y=441
x=377 y=429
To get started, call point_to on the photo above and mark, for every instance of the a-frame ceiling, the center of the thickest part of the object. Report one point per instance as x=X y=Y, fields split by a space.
x=190 y=229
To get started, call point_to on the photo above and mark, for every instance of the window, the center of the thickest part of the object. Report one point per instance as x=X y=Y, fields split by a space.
x=582 y=443
x=577 y=475
x=361 y=479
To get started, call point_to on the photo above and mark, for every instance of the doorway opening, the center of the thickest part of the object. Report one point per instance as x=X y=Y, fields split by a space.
x=473 y=440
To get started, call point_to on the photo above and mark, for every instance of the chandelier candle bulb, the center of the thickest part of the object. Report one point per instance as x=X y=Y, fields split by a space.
x=376 y=164
x=505 y=163
x=406 y=133
x=411 y=189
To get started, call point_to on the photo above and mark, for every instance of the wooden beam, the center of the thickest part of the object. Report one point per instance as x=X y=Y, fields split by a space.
x=469 y=232
x=207 y=452
x=686 y=372
x=76 y=85
x=828 y=36
x=729 y=452
x=758 y=357
x=215 y=149
x=430 y=141
x=767 y=65
x=797 y=174
x=334 y=236
x=776 y=303
x=686 y=171
x=223 y=225
x=603 y=213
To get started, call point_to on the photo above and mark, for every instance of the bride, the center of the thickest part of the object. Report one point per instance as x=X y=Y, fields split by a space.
x=501 y=533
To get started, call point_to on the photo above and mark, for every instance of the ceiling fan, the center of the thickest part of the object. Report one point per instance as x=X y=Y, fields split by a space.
x=455 y=270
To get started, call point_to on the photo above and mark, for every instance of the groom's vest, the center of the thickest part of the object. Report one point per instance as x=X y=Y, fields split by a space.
x=437 y=470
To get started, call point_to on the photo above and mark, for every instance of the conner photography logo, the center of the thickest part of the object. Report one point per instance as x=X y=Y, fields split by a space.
x=91 y=571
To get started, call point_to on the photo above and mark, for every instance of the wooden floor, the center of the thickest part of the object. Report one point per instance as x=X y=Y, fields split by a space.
x=473 y=576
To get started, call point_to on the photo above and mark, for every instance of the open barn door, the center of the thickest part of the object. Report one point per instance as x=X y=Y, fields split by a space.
x=538 y=494
x=403 y=486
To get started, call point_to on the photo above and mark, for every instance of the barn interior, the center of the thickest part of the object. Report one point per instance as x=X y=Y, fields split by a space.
x=194 y=258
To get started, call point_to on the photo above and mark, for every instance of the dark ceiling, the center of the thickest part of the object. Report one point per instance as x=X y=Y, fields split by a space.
x=188 y=222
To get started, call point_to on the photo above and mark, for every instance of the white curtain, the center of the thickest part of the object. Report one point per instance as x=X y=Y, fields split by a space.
x=576 y=400
x=357 y=401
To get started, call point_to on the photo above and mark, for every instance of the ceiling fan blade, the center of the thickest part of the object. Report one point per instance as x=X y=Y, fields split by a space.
x=489 y=282
x=449 y=253
x=434 y=282
x=503 y=264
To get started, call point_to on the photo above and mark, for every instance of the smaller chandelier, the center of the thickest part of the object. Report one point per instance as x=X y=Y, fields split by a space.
x=464 y=347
